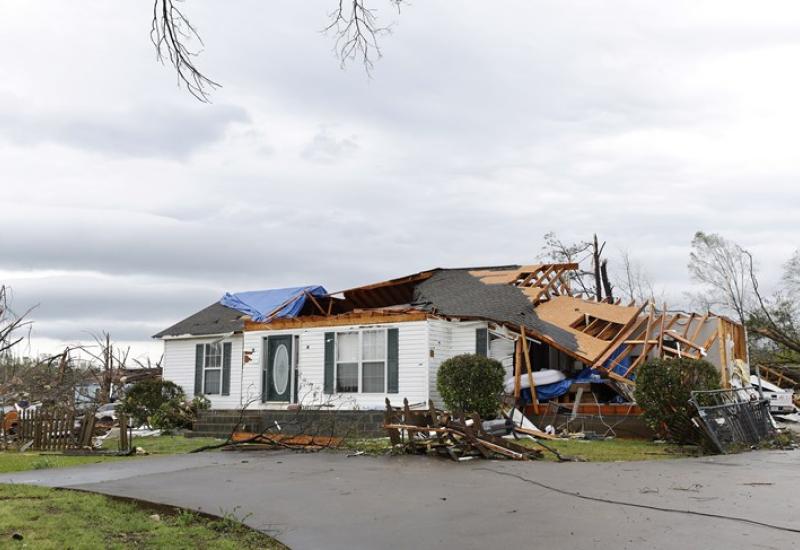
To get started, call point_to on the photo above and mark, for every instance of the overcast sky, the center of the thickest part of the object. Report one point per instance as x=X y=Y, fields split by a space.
x=128 y=205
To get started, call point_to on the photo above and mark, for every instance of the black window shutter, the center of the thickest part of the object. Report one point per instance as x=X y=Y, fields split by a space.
x=226 y=368
x=392 y=353
x=482 y=341
x=198 y=369
x=330 y=341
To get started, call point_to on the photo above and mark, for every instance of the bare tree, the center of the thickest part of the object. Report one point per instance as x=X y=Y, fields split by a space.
x=11 y=323
x=725 y=269
x=791 y=276
x=634 y=282
x=729 y=275
x=172 y=35
x=777 y=319
x=592 y=284
x=355 y=26
x=107 y=362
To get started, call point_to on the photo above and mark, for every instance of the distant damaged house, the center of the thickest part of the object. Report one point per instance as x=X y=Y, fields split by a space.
x=352 y=349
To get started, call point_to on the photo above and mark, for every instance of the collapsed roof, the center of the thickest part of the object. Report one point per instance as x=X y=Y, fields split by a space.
x=535 y=299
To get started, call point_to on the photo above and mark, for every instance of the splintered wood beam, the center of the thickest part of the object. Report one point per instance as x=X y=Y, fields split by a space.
x=630 y=328
x=677 y=337
x=699 y=328
x=618 y=378
x=527 y=279
x=688 y=325
x=683 y=353
x=646 y=348
x=315 y=302
x=588 y=327
x=544 y=274
x=661 y=330
x=330 y=306
x=517 y=368
x=549 y=285
x=605 y=329
x=564 y=284
x=526 y=353
x=709 y=341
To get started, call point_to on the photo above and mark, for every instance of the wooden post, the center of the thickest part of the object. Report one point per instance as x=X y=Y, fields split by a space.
x=123 y=433
x=517 y=369
x=532 y=384
x=661 y=331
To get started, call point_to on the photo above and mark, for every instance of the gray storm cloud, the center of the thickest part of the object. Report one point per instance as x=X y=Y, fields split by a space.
x=127 y=205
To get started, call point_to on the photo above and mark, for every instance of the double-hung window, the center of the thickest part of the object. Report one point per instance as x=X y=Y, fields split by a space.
x=361 y=361
x=212 y=369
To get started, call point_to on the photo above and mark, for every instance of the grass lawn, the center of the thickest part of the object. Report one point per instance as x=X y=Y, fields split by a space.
x=11 y=461
x=52 y=518
x=611 y=450
x=165 y=444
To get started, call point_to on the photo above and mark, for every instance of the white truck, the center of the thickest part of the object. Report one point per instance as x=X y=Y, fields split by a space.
x=780 y=400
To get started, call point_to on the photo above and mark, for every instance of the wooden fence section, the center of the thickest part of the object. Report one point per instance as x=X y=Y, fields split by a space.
x=58 y=431
x=48 y=431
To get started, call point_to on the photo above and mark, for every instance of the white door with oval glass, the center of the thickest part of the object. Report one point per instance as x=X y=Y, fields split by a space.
x=277 y=372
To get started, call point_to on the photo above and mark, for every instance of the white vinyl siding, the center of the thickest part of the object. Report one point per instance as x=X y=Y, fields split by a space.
x=178 y=366
x=412 y=367
x=422 y=347
x=448 y=339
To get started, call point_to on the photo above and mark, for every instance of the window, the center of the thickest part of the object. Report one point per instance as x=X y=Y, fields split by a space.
x=347 y=362
x=361 y=357
x=212 y=369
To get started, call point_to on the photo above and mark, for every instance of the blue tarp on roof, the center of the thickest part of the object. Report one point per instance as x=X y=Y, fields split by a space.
x=260 y=305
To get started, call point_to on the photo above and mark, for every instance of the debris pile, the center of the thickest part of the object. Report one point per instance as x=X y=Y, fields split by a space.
x=433 y=431
x=255 y=441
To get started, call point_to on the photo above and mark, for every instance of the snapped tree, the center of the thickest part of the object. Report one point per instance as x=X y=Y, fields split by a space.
x=728 y=274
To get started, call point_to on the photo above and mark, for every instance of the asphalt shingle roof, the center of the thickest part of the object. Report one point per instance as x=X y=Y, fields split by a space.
x=214 y=319
x=457 y=293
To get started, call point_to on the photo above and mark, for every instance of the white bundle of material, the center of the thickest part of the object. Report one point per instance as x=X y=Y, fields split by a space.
x=540 y=378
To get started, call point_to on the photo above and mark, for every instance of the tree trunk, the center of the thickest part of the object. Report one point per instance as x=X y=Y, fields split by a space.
x=606 y=282
x=598 y=289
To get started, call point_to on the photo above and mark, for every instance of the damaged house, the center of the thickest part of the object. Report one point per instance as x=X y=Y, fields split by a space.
x=352 y=349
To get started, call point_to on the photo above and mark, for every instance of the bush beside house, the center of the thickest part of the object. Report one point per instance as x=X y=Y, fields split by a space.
x=161 y=404
x=663 y=390
x=471 y=384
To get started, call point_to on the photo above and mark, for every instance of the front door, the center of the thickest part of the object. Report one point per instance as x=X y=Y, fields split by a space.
x=276 y=376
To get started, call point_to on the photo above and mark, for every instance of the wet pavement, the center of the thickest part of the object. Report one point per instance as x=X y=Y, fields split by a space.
x=330 y=500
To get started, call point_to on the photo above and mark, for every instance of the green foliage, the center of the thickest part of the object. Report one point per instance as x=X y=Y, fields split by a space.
x=471 y=384
x=663 y=390
x=157 y=403
x=178 y=413
x=42 y=463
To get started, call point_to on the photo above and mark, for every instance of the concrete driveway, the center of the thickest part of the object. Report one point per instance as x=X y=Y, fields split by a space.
x=329 y=500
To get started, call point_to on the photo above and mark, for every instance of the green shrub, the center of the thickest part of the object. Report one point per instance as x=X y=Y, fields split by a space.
x=663 y=390
x=178 y=413
x=471 y=384
x=157 y=403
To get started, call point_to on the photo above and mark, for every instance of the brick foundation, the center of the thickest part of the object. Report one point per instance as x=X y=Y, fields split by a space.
x=352 y=424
